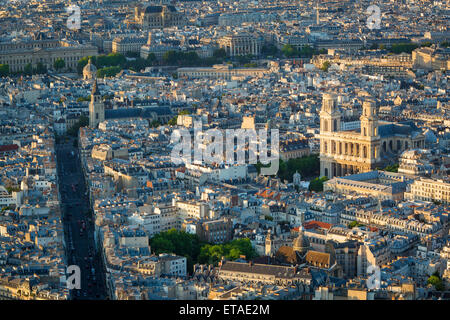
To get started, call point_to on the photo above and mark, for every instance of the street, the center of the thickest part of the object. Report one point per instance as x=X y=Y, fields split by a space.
x=79 y=224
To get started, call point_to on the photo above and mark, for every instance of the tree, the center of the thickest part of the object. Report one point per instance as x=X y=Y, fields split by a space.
x=289 y=51
x=436 y=281
x=28 y=69
x=392 y=168
x=212 y=254
x=108 y=71
x=325 y=66
x=220 y=53
x=4 y=70
x=155 y=123
x=151 y=58
x=59 y=64
x=173 y=121
x=40 y=68
x=269 y=50
x=353 y=224
x=317 y=184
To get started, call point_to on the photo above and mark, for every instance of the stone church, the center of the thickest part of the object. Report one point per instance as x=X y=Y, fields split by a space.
x=375 y=145
x=97 y=112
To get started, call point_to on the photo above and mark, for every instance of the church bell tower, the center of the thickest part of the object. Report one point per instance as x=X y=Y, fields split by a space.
x=96 y=107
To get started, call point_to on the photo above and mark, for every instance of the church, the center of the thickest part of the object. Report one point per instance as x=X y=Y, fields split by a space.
x=375 y=145
x=97 y=112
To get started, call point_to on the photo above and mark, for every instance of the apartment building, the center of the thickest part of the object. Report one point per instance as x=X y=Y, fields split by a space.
x=429 y=190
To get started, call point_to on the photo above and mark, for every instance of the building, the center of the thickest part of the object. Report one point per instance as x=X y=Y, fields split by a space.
x=20 y=54
x=431 y=58
x=96 y=107
x=241 y=44
x=365 y=149
x=98 y=114
x=383 y=185
x=220 y=71
x=158 y=17
x=294 y=148
x=89 y=71
x=124 y=45
x=429 y=190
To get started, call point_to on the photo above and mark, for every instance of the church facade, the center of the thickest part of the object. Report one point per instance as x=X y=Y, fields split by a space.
x=373 y=146
x=98 y=114
x=158 y=17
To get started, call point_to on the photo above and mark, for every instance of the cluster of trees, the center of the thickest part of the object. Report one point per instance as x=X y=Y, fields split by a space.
x=269 y=50
x=12 y=189
x=392 y=168
x=179 y=242
x=307 y=166
x=325 y=66
x=212 y=254
x=83 y=121
x=116 y=60
x=4 y=70
x=317 y=184
x=304 y=52
x=59 y=64
x=108 y=71
x=154 y=124
x=29 y=70
x=353 y=224
x=436 y=281
x=188 y=245
x=403 y=47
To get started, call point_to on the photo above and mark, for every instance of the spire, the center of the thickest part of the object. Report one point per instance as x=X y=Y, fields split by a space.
x=95 y=88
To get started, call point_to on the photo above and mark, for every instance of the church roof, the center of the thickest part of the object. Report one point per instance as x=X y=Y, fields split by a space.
x=406 y=128
x=153 y=9
x=141 y=112
x=318 y=258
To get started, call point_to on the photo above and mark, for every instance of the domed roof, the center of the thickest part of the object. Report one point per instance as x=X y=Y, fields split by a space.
x=90 y=67
x=301 y=243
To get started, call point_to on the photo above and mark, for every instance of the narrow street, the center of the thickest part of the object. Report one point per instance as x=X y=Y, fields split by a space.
x=79 y=224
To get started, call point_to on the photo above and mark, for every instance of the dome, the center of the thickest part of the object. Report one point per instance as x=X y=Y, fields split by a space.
x=301 y=243
x=89 y=71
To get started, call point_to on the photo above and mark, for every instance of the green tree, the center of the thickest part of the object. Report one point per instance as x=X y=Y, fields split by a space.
x=28 y=69
x=436 y=281
x=317 y=184
x=353 y=224
x=269 y=50
x=325 y=66
x=289 y=51
x=4 y=70
x=151 y=58
x=59 y=64
x=40 y=68
x=108 y=71
x=392 y=168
